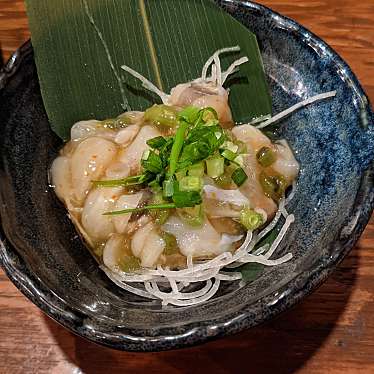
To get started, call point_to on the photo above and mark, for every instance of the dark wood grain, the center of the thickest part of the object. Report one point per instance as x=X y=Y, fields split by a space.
x=332 y=331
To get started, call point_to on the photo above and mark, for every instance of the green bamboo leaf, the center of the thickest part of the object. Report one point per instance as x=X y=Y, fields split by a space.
x=80 y=46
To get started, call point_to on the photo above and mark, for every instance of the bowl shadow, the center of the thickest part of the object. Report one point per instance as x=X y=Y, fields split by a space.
x=282 y=345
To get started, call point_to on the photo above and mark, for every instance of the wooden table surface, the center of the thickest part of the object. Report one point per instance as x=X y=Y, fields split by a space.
x=331 y=331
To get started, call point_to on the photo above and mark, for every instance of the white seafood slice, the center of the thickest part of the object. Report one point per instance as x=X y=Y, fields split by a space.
x=125 y=202
x=202 y=242
x=234 y=197
x=285 y=163
x=89 y=161
x=133 y=153
x=251 y=136
x=147 y=245
x=114 y=251
x=139 y=239
x=61 y=178
x=118 y=170
x=99 y=201
x=223 y=203
x=84 y=129
x=202 y=95
x=152 y=250
x=127 y=135
x=252 y=189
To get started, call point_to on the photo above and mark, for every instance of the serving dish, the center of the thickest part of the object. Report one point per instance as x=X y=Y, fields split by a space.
x=334 y=142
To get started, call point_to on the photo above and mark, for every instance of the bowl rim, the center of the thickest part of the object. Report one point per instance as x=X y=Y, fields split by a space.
x=191 y=334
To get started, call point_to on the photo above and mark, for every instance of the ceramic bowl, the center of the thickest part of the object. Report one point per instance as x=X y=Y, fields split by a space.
x=333 y=141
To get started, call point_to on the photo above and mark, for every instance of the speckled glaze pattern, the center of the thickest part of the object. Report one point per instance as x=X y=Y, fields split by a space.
x=333 y=140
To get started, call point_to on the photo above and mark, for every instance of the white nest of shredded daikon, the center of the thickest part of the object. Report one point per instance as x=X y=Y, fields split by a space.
x=207 y=274
x=169 y=286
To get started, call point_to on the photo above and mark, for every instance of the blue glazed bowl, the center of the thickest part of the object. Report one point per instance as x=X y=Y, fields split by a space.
x=333 y=140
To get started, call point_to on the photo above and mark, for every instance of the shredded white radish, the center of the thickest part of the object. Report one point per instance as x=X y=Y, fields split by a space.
x=196 y=300
x=233 y=68
x=226 y=276
x=206 y=271
x=125 y=286
x=146 y=282
x=292 y=193
x=147 y=84
x=214 y=57
x=295 y=107
x=261 y=250
x=229 y=239
x=272 y=224
x=259 y=119
x=290 y=219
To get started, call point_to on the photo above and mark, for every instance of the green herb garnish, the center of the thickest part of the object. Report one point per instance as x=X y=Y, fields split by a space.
x=215 y=166
x=250 y=219
x=273 y=186
x=152 y=162
x=265 y=157
x=174 y=166
x=171 y=245
x=187 y=199
x=161 y=115
x=129 y=264
x=190 y=183
x=239 y=176
x=129 y=181
x=142 y=209
x=157 y=143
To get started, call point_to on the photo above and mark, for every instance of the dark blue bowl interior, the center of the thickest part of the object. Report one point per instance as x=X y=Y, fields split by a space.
x=333 y=141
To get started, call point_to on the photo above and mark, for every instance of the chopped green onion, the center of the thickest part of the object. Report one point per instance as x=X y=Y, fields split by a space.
x=145 y=154
x=250 y=219
x=129 y=264
x=274 y=186
x=186 y=198
x=155 y=186
x=268 y=184
x=215 y=166
x=161 y=115
x=239 y=176
x=190 y=183
x=242 y=147
x=228 y=155
x=165 y=150
x=192 y=216
x=157 y=142
x=223 y=180
x=109 y=123
x=194 y=152
x=197 y=170
x=171 y=245
x=152 y=162
x=211 y=122
x=168 y=187
x=177 y=147
x=230 y=146
x=142 y=209
x=181 y=174
x=189 y=114
x=161 y=215
x=209 y=114
x=128 y=118
x=129 y=181
x=265 y=156
x=239 y=160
